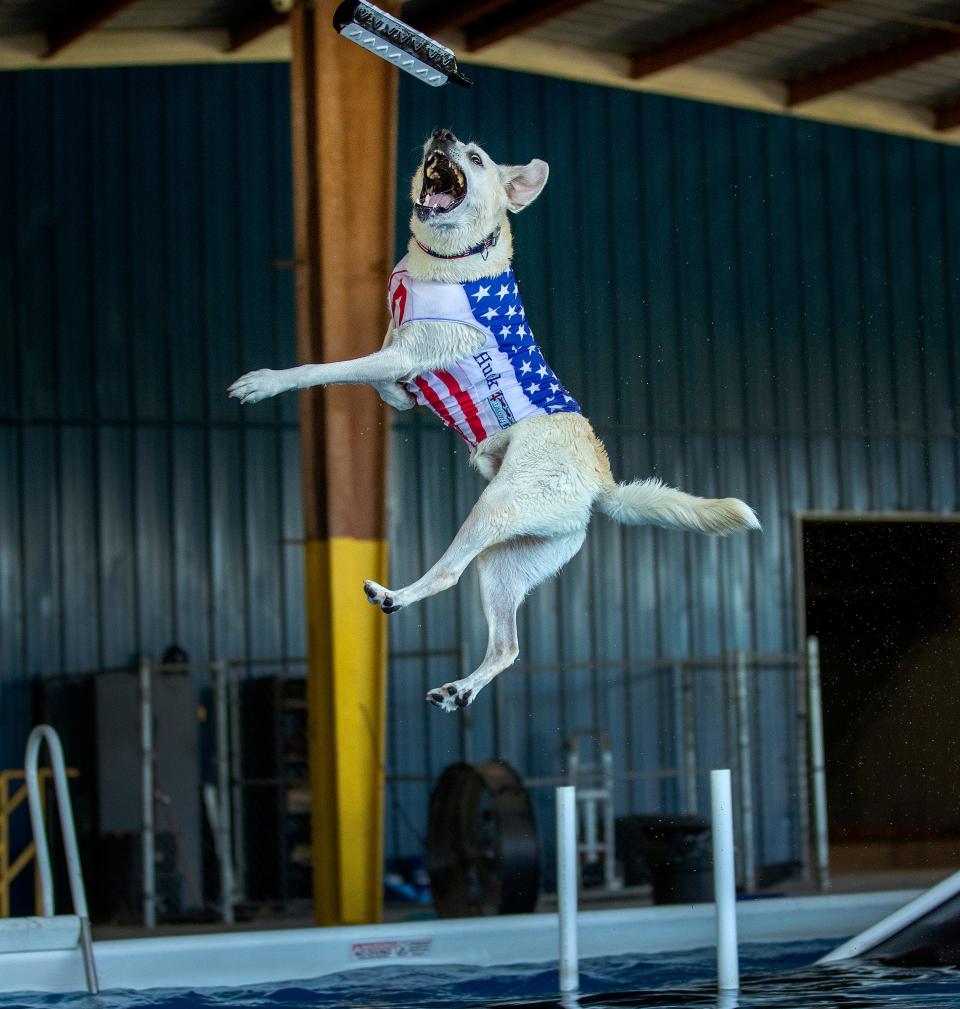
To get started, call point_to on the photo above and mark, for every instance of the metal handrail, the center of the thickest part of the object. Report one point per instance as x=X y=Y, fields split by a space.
x=74 y=871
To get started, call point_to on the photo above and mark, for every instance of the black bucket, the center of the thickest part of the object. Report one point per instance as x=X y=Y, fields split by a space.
x=673 y=853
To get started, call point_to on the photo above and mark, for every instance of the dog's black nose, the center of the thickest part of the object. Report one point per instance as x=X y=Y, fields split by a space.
x=443 y=134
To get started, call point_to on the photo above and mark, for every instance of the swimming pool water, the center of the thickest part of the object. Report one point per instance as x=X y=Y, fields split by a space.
x=774 y=976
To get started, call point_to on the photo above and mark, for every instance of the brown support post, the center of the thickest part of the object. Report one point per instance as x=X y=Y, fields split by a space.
x=344 y=143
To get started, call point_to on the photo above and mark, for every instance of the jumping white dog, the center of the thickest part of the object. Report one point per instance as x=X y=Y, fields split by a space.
x=459 y=343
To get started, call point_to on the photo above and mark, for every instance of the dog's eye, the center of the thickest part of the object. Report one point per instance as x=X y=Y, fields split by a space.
x=476 y=159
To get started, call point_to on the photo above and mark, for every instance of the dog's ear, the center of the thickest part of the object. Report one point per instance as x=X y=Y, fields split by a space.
x=524 y=183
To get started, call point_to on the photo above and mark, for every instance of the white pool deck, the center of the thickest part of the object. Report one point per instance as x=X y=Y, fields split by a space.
x=287 y=955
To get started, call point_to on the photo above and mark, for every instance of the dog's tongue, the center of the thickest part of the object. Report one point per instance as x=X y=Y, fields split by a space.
x=441 y=200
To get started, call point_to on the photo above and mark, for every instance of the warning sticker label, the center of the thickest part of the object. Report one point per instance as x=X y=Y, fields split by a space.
x=392 y=949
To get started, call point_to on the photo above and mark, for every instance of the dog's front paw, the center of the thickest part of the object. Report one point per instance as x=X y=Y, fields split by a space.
x=451 y=696
x=258 y=385
x=377 y=595
x=394 y=394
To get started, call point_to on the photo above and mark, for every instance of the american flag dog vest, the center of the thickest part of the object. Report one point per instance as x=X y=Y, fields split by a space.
x=505 y=381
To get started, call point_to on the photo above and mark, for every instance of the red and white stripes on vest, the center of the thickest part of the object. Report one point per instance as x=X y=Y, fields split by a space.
x=505 y=381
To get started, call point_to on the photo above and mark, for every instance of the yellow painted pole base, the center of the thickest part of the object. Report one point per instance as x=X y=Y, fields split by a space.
x=346 y=693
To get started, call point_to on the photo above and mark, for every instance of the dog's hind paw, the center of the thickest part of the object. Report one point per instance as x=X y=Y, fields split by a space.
x=449 y=697
x=377 y=595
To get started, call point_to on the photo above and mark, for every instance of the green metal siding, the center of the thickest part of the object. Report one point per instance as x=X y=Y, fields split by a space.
x=743 y=304
x=143 y=213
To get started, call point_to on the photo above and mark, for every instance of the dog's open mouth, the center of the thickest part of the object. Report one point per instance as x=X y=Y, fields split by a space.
x=444 y=186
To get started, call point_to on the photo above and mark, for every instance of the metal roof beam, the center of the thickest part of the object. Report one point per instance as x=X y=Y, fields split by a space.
x=512 y=18
x=720 y=35
x=878 y=64
x=245 y=32
x=86 y=17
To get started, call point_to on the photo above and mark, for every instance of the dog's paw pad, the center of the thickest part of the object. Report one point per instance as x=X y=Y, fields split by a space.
x=377 y=595
x=450 y=696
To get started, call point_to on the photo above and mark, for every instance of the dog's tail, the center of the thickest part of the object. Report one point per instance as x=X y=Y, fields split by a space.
x=650 y=502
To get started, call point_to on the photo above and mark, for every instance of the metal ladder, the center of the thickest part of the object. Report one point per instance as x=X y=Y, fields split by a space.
x=78 y=893
x=594 y=802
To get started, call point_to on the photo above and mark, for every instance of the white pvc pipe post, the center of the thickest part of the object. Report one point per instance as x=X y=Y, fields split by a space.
x=724 y=880
x=609 y=829
x=745 y=768
x=818 y=762
x=236 y=772
x=147 y=830
x=689 y=741
x=567 y=886
x=224 y=825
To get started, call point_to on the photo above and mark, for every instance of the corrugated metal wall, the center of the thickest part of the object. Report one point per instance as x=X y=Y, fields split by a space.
x=143 y=212
x=744 y=305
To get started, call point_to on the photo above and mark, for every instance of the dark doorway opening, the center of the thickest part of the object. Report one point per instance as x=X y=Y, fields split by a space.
x=883 y=597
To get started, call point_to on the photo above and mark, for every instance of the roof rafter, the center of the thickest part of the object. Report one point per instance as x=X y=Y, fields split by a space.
x=86 y=17
x=244 y=32
x=720 y=34
x=442 y=16
x=514 y=17
x=947 y=117
x=877 y=64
